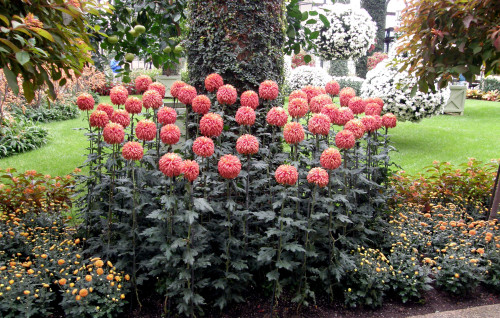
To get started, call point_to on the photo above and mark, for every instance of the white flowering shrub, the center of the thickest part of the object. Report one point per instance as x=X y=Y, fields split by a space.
x=350 y=35
x=394 y=88
x=307 y=75
x=350 y=81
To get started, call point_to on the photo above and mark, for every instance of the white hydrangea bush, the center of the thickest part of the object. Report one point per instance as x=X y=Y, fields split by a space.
x=394 y=88
x=307 y=75
x=350 y=35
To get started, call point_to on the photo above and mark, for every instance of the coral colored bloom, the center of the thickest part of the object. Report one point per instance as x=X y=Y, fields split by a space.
x=277 y=116
x=107 y=108
x=319 y=124
x=376 y=100
x=120 y=116
x=370 y=123
x=142 y=83
x=113 y=133
x=176 y=86
x=203 y=147
x=159 y=87
x=345 y=139
x=312 y=91
x=249 y=99
x=318 y=102
x=245 y=116
x=269 y=90
x=211 y=125
x=286 y=174
x=133 y=105
x=85 y=101
x=186 y=94
x=99 y=119
x=343 y=116
x=132 y=151
x=345 y=95
x=331 y=110
x=118 y=95
x=247 y=145
x=378 y=121
x=152 y=99
x=293 y=133
x=330 y=159
x=298 y=107
x=229 y=166
x=318 y=176
x=356 y=127
x=332 y=88
x=297 y=94
x=190 y=170
x=201 y=104
x=373 y=109
x=166 y=115
x=389 y=120
x=145 y=130
x=213 y=82
x=171 y=164
x=357 y=105
x=170 y=134
x=227 y=95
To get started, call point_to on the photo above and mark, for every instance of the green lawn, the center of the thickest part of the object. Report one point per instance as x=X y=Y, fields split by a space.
x=444 y=138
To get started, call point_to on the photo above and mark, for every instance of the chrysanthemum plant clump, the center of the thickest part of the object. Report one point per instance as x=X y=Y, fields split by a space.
x=245 y=196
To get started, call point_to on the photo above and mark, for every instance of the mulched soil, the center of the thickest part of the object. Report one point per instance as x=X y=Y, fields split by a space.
x=255 y=307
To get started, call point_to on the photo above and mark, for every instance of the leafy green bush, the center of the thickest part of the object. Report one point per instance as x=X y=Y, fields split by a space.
x=350 y=81
x=152 y=72
x=46 y=113
x=338 y=68
x=21 y=136
x=491 y=83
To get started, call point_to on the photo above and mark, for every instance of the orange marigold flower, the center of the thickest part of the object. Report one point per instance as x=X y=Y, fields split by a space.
x=167 y=115
x=357 y=105
x=245 y=116
x=88 y=278
x=344 y=139
x=332 y=88
x=132 y=151
x=247 y=145
x=318 y=102
x=110 y=277
x=190 y=170
x=186 y=94
x=227 y=95
x=330 y=159
x=99 y=263
x=480 y=250
x=286 y=174
x=293 y=133
x=118 y=95
x=211 y=125
x=277 y=116
x=113 y=133
x=213 y=82
x=145 y=130
x=229 y=166
x=319 y=124
x=107 y=108
x=152 y=99
x=159 y=87
x=201 y=104
x=62 y=281
x=170 y=134
x=61 y=262
x=203 y=147
x=98 y=119
x=99 y=271
x=142 y=83
x=83 y=292
x=318 y=176
x=249 y=99
x=121 y=116
x=176 y=86
x=85 y=101
x=269 y=90
x=298 y=107
x=171 y=164
x=472 y=232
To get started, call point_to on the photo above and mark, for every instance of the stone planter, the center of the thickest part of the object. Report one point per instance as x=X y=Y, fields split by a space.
x=456 y=102
x=168 y=81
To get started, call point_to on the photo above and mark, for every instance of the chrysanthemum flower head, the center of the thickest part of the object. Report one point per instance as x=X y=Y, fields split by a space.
x=297 y=94
x=142 y=83
x=213 y=82
x=211 y=125
x=345 y=95
x=133 y=105
x=357 y=105
x=118 y=95
x=201 y=104
x=356 y=127
x=171 y=164
x=370 y=123
x=317 y=102
x=113 y=133
x=373 y=109
x=298 y=107
x=159 y=87
x=293 y=133
x=245 y=116
x=318 y=176
x=227 y=95
x=247 y=145
x=330 y=110
x=269 y=90
x=152 y=99
x=286 y=175
x=190 y=170
x=249 y=99
x=107 y=108
x=167 y=115
x=319 y=124
x=99 y=119
x=176 y=86
x=186 y=94
x=229 y=166
x=121 y=116
x=145 y=130
x=332 y=88
x=389 y=120
x=132 y=151
x=344 y=139
x=376 y=100
x=312 y=91
x=343 y=116
x=277 y=116
x=85 y=101
x=170 y=134
x=203 y=147
x=330 y=159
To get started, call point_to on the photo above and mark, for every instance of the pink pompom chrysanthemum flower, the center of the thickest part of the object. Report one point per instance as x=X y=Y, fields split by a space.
x=269 y=90
x=245 y=116
x=118 y=95
x=344 y=139
x=229 y=166
x=167 y=115
x=378 y=121
x=370 y=123
x=376 y=100
x=249 y=99
x=171 y=164
x=312 y=91
x=357 y=105
x=85 y=101
x=133 y=105
x=373 y=109
x=298 y=107
x=343 y=116
x=113 y=133
x=330 y=110
x=152 y=99
x=293 y=133
x=121 y=116
x=145 y=130
x=277 y=116
x=319 y=124
x=332 y=88
x=227 y=95
x=132 y=151
x=345 y=95
x=330 y=159
x=201 y=104
x=318 y=102
x=213 y=82
x=142 y=83
x=159 y=87
x=203 y=147
x=247 y=145
x=297 y=94
x=389 y=120
x=99 y=119
x=211 y=125
x=356 y=127
x=190 y=170
x=107 y=108
x=176 y=86
x=170 y=134
x=318 y=176
x=286 y=174
x=186 y=94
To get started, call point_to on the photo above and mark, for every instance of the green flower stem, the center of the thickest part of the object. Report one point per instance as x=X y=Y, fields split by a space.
x=134 y=229
x=368 y=156
x=131 y=136
x=228 y=256
x=307 y=244
x=111 y=199
x=280 y=249
x=186 y=119
x=170 y=213
x=316 y=149
x=190 y=280
x=157 y=143
x=247 y=202
x=344 y=155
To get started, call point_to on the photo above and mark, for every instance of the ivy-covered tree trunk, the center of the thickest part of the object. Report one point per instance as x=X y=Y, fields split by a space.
x=240 y=40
